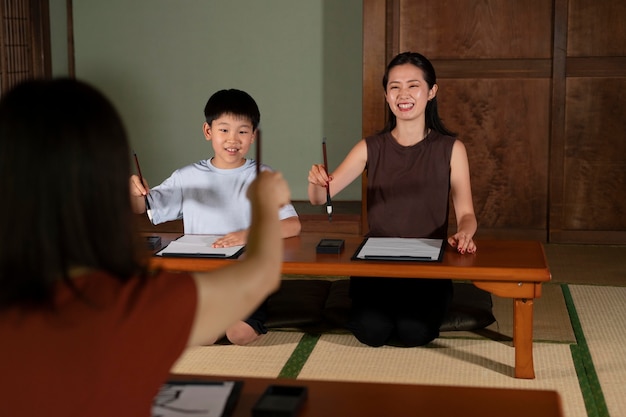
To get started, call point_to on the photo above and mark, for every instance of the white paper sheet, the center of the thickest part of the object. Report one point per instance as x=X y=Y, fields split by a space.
x=198 y=245
x=198 y=400
x=395 y=248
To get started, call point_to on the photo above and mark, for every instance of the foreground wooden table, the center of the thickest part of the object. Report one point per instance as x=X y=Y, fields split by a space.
x=346 y=399
x=509 y=269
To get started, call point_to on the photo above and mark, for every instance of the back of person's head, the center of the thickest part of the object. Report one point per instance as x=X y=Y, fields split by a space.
x=433 y=121
x=234 y=102
x=64 y=169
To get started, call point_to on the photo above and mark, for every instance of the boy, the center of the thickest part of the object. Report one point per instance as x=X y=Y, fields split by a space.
x=210 y=195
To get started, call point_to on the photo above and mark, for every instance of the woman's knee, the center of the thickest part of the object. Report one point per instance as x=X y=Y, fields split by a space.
x=370 y=327
x=413 y=334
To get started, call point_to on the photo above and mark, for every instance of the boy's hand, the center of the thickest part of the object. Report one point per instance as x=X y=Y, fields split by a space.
x=137 y=189
x=269 y=188
x=318 y=175
x=231 y=239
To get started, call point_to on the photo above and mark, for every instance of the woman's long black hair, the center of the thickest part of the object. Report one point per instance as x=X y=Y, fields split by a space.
x=64 y=176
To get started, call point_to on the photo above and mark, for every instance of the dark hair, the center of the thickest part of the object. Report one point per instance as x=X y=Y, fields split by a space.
x=235 y=102
x=64 y=169
x=433 y=121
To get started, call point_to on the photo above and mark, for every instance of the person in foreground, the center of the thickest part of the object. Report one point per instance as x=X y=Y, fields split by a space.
x=210 y=195
x=413 y=167
x=86 y=328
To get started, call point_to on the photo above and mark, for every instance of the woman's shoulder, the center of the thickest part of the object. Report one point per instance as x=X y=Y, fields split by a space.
x=377 y=137
x=377 y=140
x=442 y=139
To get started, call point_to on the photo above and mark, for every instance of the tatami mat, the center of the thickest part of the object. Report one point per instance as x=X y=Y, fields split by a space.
x=264 y=358
x=551 y=319
x=602 y=315
x=459 y=362
x=587 y=264
x=588 y=339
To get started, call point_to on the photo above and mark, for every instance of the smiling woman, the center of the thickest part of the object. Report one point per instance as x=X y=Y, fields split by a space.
x=414 y=165
x=407 y=95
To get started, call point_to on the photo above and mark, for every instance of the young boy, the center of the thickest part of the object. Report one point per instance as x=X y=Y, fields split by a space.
x=210 y=195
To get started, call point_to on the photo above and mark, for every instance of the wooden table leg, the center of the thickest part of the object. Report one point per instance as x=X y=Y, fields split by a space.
x=523 y=337
x=523 y=295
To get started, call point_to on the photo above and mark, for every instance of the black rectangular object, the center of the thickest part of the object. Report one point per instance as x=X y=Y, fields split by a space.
x=280 y=401
x=330 y=246
x=153 y=242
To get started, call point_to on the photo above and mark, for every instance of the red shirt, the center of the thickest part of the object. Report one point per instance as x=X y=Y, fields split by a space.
x=105 y=354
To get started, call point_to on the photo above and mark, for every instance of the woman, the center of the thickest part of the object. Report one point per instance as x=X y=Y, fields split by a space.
x=85 y=328
x=413 y=166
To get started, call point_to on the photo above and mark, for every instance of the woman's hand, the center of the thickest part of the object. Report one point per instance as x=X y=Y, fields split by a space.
x=318 y=176
x=463 y=243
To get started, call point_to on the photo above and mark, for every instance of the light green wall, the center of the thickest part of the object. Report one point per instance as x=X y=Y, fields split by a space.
x=58 y=37
x=160 y=60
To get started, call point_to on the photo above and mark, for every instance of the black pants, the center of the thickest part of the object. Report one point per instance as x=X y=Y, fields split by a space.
x=258 y=318
x=403 y=311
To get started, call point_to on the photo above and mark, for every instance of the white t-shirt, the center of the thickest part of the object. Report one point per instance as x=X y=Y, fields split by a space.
x=210 y=200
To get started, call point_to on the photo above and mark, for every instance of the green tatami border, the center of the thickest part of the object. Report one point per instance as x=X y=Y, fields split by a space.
x=300 y=354
x=595 y=403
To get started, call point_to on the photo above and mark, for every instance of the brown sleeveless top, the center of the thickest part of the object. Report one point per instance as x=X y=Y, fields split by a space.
x=408 y=186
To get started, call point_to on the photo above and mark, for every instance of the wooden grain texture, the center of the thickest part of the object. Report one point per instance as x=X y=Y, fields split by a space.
x=504 y=125
x=367 y=399
x=595 y=155
x=596 y=28
x=476 y=29
x=374 y=62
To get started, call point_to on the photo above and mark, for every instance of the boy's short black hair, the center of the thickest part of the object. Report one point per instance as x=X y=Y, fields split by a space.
x=235 y=102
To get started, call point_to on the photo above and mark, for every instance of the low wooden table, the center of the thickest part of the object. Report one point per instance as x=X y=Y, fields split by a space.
x=364 y=399
x=506 y=268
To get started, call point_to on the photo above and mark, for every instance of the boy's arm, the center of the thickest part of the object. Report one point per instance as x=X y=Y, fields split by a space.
x=290 y=226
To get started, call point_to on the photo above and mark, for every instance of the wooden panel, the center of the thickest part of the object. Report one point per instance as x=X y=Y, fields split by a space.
x=493 y=68
x=375 y=43
x=596 y=28
x=596 y=67
x=557 y=128
x=505 y=127
x=477 y=29
x=587 y=199
x=374 y=63
x=595 y=155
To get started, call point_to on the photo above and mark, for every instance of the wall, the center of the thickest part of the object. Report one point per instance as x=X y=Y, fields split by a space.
x=159 y=61
x=58 y=37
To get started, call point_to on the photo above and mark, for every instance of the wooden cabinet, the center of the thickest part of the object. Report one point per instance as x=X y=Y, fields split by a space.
x=536 y=90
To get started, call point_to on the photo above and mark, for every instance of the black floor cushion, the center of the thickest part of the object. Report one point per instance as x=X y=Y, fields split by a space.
x=323 y=304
